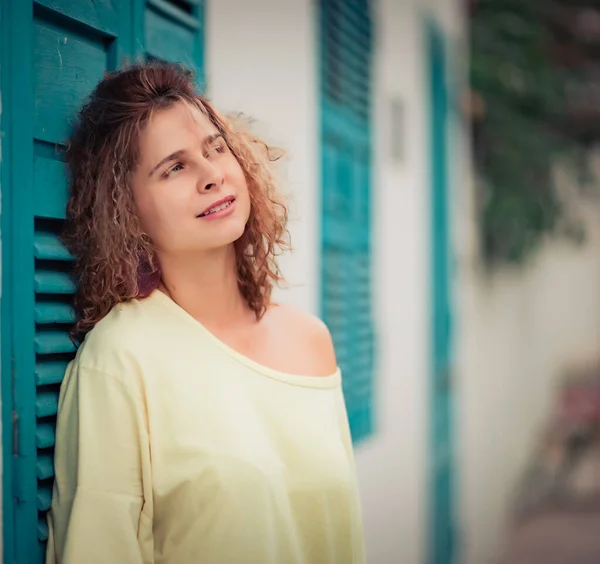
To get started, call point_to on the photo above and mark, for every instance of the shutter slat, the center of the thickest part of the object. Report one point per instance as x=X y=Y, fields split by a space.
x=44 y=436
x=347 y=38
x=53 y=342
x=44 y=467
x=50 y=372
x=48 y=246
x=46 y=404
x=53 y=312
x=53 y=282
x=175 y=13
x=44 y=498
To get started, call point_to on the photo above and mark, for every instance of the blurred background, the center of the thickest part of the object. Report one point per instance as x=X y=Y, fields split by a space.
x=443 y=179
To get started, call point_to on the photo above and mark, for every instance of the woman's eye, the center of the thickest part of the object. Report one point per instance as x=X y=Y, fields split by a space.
x=221 y=148
x=174 y=168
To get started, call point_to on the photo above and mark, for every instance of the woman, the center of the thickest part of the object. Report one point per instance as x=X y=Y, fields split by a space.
x=199 y=422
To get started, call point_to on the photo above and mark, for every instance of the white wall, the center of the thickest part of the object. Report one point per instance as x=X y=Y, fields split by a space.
x=519 y=331
x=394 y=467
x=262 y=59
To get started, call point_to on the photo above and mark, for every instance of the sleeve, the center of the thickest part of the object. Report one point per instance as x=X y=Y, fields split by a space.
x=358 y=542
x=102 y=462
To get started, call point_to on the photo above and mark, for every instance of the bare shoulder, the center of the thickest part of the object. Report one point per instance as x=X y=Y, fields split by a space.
x=307 y=335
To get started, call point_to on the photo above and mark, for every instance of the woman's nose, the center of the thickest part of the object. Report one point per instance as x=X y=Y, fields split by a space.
x=212 y=177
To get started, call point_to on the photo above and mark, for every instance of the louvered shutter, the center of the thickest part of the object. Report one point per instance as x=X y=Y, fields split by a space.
x=346 y=38
x=60 y=50
x=173 y=31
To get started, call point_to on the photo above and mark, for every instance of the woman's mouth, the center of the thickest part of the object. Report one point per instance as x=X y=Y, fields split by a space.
x=221 y=208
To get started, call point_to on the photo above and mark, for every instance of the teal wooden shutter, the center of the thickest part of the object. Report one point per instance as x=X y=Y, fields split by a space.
x=173 y=31
x=53 y=53
x=62 y=49
x=346 y=39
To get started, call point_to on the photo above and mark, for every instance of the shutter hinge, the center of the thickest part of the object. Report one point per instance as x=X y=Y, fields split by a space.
x=15 y=431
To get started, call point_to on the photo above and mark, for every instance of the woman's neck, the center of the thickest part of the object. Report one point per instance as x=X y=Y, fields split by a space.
x=206 y=286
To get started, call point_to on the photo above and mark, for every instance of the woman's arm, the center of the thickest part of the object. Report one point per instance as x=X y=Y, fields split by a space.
x=102 y=465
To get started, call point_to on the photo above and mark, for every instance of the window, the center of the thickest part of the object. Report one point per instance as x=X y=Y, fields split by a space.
x=346 y=47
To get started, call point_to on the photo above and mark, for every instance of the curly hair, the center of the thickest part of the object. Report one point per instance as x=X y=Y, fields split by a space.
x=114 y=258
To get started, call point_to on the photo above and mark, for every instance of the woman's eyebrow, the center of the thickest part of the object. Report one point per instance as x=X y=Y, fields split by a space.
x=208 y=140
x=176 y=155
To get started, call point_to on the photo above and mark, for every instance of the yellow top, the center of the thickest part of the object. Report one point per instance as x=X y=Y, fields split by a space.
x=173 y=448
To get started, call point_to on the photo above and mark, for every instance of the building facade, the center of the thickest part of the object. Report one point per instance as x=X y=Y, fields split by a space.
x=362 y=95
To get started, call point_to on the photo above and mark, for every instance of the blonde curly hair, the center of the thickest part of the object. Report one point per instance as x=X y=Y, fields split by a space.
x=114 y=259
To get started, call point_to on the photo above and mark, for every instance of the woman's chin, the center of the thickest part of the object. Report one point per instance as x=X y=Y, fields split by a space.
x=222 y=237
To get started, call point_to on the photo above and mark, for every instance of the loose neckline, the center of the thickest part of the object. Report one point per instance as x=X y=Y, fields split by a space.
x=308 y=381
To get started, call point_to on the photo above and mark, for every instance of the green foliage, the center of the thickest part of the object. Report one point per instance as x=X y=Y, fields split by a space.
x=521 y=134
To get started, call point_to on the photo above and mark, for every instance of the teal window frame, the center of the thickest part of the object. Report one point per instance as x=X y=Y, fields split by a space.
x=441 y=506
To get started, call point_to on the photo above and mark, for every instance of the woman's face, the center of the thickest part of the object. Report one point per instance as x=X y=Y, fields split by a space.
x=190 y=191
